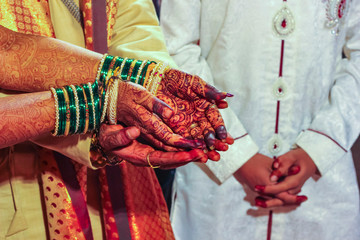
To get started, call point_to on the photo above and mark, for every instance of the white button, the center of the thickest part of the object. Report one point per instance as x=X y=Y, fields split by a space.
x=275 y=145
x=280 y=89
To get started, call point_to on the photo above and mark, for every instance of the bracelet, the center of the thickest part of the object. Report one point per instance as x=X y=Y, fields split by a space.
x=72 y=108
x=67 y=104
x=62 y=111
x=82 y=109
x=86 y=127
x=77 y=108
x=139 y=71
x=113 y=96
x=100 y=67
x=56 y=129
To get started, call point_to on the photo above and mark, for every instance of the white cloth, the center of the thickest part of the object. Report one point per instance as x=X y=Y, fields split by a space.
x=232 y=44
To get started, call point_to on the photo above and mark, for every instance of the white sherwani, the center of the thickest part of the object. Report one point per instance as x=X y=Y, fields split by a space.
x=291 y=86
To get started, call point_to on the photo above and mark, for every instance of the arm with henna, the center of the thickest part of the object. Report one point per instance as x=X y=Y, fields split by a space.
x=34 y=63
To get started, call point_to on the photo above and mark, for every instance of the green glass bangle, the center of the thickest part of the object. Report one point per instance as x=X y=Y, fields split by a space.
x=82 y=109
x=95 y=90
x=117 y=64
x=90 y=106
x=105 y=68
x=62 y=111
x=125 y=71
x=135 y=71
x=72 y=109
x=143 y=73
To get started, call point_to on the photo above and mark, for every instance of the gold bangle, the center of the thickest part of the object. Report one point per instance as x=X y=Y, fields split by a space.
x=149 y=70
x=56 y=129
x=148 y=160
x=93 y=104
x=131 y=70
x=67 y=102
x=113 y=96
x=139 y=71
x=100 y=67
x=121 y=67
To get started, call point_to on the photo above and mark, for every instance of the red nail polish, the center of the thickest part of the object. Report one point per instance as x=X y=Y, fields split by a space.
x=301 y=199
x=259 y=188
x=260 y=203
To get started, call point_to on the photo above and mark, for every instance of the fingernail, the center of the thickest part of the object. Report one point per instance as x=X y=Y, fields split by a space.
x=273 y=178
x=131 y=133
x=301 y=199
x=229 y=95
x=276 y=164
x=221 y=132
x=223 y=140
x=260 y=203
x=206 y=151
x=212 y=148
x=259 y=188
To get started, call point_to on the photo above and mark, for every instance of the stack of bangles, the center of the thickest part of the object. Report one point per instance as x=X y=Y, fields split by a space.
x=81 y=109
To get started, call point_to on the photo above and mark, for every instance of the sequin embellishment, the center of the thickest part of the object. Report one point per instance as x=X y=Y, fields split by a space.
x=283 y=22
x=336 y=10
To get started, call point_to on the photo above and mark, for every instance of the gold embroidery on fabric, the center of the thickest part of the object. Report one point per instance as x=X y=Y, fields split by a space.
x=32 y=17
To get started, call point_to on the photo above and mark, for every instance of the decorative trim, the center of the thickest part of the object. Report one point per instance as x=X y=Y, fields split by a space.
x=315 y=131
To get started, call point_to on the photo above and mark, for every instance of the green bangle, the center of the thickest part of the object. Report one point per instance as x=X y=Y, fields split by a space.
x=95 y=90
x=135 y=71
x=82 y=109
x=143 y=73
x=117 y=64
x=90 y=106
x=105 y=69
x=62 y=111
x=125 y=71
x=72 y=109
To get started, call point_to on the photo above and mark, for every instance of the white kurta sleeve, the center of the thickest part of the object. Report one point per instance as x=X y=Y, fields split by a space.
x=180 y=22
x=337 y=125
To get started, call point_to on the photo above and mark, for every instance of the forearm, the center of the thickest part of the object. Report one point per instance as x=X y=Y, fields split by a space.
x=25 y=116
x=35 y=63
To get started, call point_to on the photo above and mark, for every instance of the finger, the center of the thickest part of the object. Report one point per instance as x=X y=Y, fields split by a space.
x=282 y=167
x=229 y=139
x=295 y=191
x=207 y=132
x=153 y=104
x=203 y=89
x=221 y=104
x=294 y=170
x=214 y=117
x=159 y=158
x=113 y=136
x=221 y=146
x=162 y=132
x=289 y=183
x=290 y=199
x=213 y=155
x=264 y=203
x=149 y=139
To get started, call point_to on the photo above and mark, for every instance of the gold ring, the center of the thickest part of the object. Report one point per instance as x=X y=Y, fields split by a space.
x=194 y=125
x=148 y=160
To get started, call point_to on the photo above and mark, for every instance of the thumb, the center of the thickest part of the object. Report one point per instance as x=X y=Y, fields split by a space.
x=114 y=136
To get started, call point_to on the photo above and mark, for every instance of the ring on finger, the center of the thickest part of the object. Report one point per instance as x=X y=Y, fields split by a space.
x=148 y=160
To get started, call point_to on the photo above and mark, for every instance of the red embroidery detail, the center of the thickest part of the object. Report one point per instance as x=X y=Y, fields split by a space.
x=341 y=8
x=283 y=23
x=329 y=138
x=241 y=136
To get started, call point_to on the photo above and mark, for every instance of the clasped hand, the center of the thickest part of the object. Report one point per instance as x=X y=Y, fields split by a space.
x=278 y=182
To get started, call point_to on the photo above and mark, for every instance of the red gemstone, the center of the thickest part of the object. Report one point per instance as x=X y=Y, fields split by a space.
x=283 y=23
